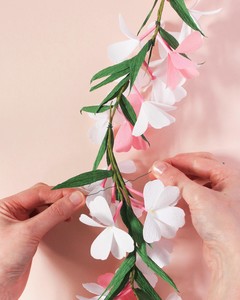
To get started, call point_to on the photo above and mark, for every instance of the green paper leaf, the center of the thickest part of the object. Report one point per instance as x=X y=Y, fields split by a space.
x=128 y=110
x=84 y=179
x=137 y=61
x=111 y=78
x=134 y=226
x=114 y=93
x=148 y=16
x=141 y=294
x=101 y=151
x=111 y=70
x=117 y=288
x=153 y=266
x=170 y=39
x=145 y=285
x=120 y=276
x=94 y=109
x=180 y=7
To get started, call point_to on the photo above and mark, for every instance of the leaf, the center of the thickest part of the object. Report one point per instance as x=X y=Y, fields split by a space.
x=141 y=294
x=84 y=178
x=145 y=285
x=128 y=110
x=111 y=78
x=111 y=70
x=137 y=61
x=148 y=16
x=133 y=224
x=153 y=266
x=118 y=288
x=101 y=151
x=94 y=109
x=170 y=39
x=120 y=276
x=114 y=93
x=180 y=7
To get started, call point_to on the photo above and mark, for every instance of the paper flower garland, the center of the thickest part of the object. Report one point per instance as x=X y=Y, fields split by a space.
x=149 y=72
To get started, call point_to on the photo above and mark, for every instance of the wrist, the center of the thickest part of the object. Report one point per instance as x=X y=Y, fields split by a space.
x=225 y=270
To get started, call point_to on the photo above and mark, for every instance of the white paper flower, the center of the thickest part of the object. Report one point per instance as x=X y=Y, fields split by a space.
x=163 y=219
x=98 y=130
x=153 y=114
x=111 y=239
x=95 y=289
x=120 y=51
x=174 y=296
x=160 y=252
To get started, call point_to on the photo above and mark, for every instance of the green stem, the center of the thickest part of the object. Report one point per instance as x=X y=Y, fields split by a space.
x=158 y=22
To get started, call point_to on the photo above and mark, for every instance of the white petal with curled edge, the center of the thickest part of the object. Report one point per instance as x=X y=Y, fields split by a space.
x=147 y=272
x=151 y=193
x=156 y=116
x=102 y=245
x=94 y=288
x=172 y=216
x=142 y=122
x=124 y=241
x=180 y=93
x=99 y=209
x=160 y=252
x=169 y=196
x=118 y=52
x=151 y=230
x=124 y=28
x=84 y=298
x=89 y=221
x=174 y=296
x=127 y=166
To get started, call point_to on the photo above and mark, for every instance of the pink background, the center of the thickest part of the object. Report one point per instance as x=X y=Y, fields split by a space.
x=49 y=50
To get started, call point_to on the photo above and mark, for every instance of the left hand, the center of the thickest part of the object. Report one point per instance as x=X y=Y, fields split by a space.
x=21 y=233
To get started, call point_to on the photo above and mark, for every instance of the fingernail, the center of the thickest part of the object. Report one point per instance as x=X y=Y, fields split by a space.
x=76 y=198
x=159 y=167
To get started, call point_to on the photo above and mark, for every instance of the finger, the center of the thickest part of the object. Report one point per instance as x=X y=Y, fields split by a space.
x=38 y=195
x=58 y=212
x=190 y=190
x=205 y=168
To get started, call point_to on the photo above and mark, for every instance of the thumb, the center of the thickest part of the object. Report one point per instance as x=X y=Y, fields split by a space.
x=192 y=192
x=58 y=212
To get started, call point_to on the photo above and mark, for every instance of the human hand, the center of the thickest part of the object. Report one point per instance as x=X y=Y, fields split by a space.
x=215 y=213
x=20 y=233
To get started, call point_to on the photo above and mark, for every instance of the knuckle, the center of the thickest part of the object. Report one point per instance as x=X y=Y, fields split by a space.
x=58 y=209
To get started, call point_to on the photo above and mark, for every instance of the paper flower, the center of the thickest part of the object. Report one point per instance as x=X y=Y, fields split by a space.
x=111 y=239
x=153 y=114
x=160 y=252
x=163 y=218
x=98 y=130
x=119 y=51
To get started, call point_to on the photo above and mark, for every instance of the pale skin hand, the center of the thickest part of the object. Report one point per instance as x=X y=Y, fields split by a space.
x=20 y=233
x=215 y=214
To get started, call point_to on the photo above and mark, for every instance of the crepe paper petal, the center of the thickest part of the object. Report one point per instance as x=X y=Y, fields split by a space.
x=191 y=43
x=174 y=296
x=101 y=246
x=89 y=221
x=167 y=231
x=148 y=273
x=172 y=216
x=127 y=166
x=94 y=288
x=123 y=138
x=189 y=73
x=137 y=211
x=118 y=52
x=125 y=30
x=100 y=210
x=179 y=93
x=151 y=229
x=151 y=192
x=139 y=144
x=160 y=252
x=93 y=298
x=173 y=75
x=142 y=123
x=124 y=242
x=169 y=196
x=104 y=279
x=180 y=62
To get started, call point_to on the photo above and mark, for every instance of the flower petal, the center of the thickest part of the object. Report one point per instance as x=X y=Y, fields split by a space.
x=151 y=229
x=123 y=138
x=89 y=221
x=118 y=52
x=168 y=197
x=93 y=288
x=127 y=166
x=151 y=192
x=101 y=246
x=142 y=123
x=173 y=75
x=100 y=210
x=124 y=243
x=191 y=43
x=124 y=28
x=172 y=216
x=174 y=296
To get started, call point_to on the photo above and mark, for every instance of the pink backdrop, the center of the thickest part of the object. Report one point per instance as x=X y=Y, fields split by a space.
x=49 y=50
